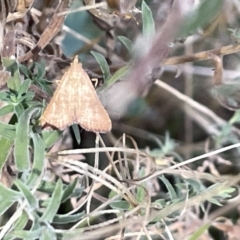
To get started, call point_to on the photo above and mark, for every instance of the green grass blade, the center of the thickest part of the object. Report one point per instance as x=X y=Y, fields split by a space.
x=147 y=21
x=30 y=198
x=200 y=17
x=48 y=234
x=69 y=190
x=6 y=146
x=24 y=87
x=21 y=153
x=76 y=132
x=38 y=161
x=7 y=131
x=8 y=197
x=22 y=221
x=54 y=203
x=126 y=42
x=25 y=234
x=50 y=137
x=200 y=231
x=171 y=191
x=119 y=74
x=6 y=109
x=48 y=187
x=64 y=219
x=103 y=65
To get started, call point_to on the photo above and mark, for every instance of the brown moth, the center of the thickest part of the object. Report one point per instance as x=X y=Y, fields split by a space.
x=76 y=101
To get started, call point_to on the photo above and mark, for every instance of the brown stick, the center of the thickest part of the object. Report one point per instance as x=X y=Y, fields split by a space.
x=204 y=55
x=49 y=33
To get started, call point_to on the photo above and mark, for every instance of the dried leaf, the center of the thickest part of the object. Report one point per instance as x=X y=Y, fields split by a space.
x=9 y=44
x=22 y=5
x=49 y=33
x=218 y=70
x=4 y=76
x=121 y=6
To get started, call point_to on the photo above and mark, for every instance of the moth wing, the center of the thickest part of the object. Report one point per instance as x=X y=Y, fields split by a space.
x=60 y=111
x=90 y=113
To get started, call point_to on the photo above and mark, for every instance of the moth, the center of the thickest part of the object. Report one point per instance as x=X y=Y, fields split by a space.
x=75 y=101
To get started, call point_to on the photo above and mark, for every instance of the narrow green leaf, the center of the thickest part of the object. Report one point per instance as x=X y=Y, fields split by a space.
x=235 y=118
x=7 y=131
x=6 y=109
x=38 y=161
x=119 y=74
x=172 y=193
x=21 y=222
x=141 y=191
x=227 y=191
x=140 y=194
x=40 y=69
x=54 y=204
x=160 y=203
x=28 y=97
x=24 y=87
x=7 y=198
x=103 y=65
x=48 y=234
x=25 y=70
x=76 y=132
x=50 y=137
x=215 y=201
x=112 y=194
x=4 y=97
x=14 y=81
x=66 y=218
x=200 y=231
x=195 y=184
x=9 y=63
x=126 y=42
x=36 y=224
x=5 y=205
x=18 y=109
x=6 y=146
x=73 y=234
x=69 y=190
x=120 y=205
x=25 y=234
x=48 y=187
x=30 y=198
x=21 y=153
x=200 y=17
x=147 y=22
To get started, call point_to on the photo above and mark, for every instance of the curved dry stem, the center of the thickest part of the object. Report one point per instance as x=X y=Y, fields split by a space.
x=204 y=55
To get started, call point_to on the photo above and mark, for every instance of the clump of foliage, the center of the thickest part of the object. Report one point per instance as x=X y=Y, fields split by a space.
x=139 y=193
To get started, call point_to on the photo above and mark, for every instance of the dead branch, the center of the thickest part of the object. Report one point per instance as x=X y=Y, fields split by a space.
x=204 y=55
